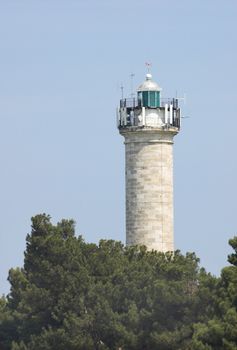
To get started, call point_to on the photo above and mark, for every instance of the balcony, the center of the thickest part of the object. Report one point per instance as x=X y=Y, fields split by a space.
x=136 y=103
x=132 y=114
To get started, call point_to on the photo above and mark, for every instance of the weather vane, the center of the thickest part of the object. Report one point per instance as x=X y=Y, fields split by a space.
x=148 y=66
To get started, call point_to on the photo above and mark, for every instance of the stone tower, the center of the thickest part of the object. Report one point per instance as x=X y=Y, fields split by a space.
x=148 y=125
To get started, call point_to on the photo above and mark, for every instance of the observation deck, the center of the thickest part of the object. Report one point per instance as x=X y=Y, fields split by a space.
x=132 y=113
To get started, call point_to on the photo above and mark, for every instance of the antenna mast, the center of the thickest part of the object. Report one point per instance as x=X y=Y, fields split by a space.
x=121 y=88
x=132 y=75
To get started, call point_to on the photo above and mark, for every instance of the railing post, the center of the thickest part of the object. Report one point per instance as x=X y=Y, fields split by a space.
x=143 y=116
x=166 y=113
x=171 y=114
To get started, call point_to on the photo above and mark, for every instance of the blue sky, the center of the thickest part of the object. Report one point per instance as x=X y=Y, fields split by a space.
x=61 y=65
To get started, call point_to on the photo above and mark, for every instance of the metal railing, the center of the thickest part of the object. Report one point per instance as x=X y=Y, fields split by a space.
x=129 y=103
x=127 y=117
x=133 y=102
x=169 y=101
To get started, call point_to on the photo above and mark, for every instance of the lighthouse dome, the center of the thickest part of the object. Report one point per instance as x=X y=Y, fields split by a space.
x=149 y=84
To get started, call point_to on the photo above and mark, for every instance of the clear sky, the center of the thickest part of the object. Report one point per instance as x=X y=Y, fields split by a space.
x=61 y=65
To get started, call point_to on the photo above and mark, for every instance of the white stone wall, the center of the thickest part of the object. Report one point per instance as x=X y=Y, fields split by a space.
x=149 y=188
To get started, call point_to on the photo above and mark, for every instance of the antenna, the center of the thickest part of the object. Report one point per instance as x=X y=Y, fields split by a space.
x=132 y=75
x=148 y=66
x=121 y=88
x=184 y=98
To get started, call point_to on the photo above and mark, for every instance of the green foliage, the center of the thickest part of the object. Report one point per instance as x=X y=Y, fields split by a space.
x=219 y=331
x=232 y=258
x=73 y=295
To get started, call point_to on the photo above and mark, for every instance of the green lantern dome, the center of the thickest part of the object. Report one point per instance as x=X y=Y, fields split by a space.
x=149 y=93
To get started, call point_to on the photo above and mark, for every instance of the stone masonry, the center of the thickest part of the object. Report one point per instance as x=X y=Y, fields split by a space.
x=149 y=187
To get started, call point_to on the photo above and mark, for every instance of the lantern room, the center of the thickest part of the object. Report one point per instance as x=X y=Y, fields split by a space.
x=148 y=93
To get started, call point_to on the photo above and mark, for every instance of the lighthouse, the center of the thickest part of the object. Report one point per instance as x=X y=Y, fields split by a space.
x=148 y=124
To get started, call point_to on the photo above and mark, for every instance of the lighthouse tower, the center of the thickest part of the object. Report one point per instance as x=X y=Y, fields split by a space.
x=148 y=124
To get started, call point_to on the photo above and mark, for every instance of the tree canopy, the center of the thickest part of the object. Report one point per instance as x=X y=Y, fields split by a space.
x=75 y=295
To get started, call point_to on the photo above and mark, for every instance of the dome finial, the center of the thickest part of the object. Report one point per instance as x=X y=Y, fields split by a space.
x=148 y=76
